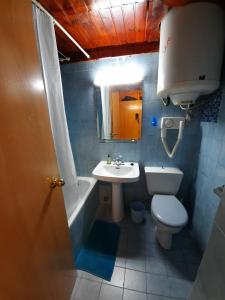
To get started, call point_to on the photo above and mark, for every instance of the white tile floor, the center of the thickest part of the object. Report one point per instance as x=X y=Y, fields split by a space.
x=143 y=270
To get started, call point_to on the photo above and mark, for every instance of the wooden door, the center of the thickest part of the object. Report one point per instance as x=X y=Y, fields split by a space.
x=130 y=119
x=35 y=250
x=126 y=114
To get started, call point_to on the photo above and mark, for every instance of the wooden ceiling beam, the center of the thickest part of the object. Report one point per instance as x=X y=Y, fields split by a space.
x=112 y=51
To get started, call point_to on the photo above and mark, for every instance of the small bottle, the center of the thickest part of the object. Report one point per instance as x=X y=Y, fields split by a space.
x=109 y=159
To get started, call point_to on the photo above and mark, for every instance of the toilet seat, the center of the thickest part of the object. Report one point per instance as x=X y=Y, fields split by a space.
x=169 y=210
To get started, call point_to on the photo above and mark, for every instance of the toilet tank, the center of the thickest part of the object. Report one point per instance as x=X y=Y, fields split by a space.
x=162 y=180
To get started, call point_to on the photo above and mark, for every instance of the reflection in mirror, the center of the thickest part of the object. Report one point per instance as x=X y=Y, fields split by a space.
x=119 y=112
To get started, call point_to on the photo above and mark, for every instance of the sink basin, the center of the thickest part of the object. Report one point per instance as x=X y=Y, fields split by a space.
x=125 y=173
x=128 y=172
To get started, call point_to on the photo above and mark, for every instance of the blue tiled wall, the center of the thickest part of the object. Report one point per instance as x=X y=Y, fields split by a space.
x=210 y=111
x=210 y=174
x=88 y=150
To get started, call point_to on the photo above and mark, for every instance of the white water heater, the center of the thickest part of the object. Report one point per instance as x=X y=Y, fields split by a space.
x=191 y=52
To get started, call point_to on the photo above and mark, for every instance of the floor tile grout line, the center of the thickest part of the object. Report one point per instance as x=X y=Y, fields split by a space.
x=124 y=282
x=166 y=296
x=123 y=293
x=124 y=278
x=100 y=290
x=148 y=293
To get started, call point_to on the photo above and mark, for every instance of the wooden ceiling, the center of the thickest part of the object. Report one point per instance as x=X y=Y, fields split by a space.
x=107 y=28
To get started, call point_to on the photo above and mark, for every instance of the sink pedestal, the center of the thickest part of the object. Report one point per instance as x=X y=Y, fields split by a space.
x=117 y=202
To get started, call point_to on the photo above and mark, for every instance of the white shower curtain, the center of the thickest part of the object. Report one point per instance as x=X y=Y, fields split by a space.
x=53 y=86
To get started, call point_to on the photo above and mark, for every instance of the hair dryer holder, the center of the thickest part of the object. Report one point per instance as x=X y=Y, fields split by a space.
x=172 y=123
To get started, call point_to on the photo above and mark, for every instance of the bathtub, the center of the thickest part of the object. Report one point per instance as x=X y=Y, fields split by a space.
x=84 y=212
x=85 y=186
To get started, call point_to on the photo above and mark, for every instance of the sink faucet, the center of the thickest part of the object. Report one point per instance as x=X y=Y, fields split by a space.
x=118 y=161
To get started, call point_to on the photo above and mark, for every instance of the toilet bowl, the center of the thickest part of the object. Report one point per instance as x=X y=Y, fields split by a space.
x=169 y=216
x=168 y=213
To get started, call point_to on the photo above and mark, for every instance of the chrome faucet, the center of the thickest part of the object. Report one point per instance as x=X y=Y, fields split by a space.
x=118 y=161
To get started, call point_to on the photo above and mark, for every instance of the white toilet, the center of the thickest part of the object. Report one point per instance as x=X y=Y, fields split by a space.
x=168 y=213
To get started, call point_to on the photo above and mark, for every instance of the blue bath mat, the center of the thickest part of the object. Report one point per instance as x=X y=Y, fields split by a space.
x=98 y=255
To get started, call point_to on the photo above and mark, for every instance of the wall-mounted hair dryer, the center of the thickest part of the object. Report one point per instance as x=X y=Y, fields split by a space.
x=169 y=123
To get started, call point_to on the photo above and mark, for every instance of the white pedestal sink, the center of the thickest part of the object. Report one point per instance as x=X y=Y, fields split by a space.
x=125 y=173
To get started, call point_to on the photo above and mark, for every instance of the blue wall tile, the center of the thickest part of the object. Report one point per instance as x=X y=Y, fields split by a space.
x=210 y=111
x=210 y=174
x=78 y=91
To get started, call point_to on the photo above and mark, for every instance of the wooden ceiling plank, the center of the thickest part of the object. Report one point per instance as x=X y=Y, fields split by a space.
x=51 y=5
x=78 y=5
x=89 y=4
x=64 y=13
x=97 y=31
x=77 y=10
x=66 y=18
x=117 y=15
x=58 y=6
x=129 y=22
x=109 y=25
x=62 y=18
x=89 y=29
x=57 y=10
x=148 y=20
x=84 y=19
x=98 y=4
x=140 y=21
x=77 y=32
x=101 y=33
x=62 y=42
x=153 y=22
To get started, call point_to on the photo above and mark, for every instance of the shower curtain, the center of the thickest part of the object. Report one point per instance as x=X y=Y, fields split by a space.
x=46 y=41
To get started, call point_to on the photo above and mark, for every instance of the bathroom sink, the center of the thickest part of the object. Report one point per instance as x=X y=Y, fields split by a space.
x=125 y=173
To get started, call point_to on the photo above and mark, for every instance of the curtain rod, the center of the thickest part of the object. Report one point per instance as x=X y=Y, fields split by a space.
x=61 y=28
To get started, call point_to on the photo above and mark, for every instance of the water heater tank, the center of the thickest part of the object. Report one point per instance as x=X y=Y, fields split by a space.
x=191 y=52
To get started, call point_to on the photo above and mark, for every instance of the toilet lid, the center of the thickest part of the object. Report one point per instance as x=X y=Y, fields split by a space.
x=169 y=210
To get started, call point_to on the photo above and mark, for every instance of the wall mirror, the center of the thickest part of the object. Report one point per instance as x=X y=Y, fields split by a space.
x=119 y=112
